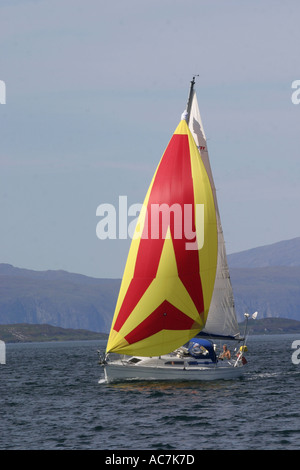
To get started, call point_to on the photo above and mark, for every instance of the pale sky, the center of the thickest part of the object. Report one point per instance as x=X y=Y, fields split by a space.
x=94 y=92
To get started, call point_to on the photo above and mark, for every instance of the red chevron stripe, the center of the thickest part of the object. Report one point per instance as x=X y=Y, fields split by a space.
x=165 y=317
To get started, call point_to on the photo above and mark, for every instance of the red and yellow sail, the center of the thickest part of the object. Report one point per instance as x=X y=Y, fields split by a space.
x=168 y=282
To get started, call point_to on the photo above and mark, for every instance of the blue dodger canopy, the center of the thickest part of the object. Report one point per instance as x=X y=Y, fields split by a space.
x=202 y=349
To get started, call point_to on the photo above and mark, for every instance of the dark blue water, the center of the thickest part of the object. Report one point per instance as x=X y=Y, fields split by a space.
x=50 y=398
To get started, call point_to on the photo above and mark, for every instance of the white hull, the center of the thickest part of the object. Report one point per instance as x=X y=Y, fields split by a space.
x=157 y=369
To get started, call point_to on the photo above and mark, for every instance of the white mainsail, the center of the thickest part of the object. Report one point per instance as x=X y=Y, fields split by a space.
x=221 y=320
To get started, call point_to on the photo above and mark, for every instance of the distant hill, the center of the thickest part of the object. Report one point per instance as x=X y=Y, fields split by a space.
x=272 y=291
x=28 y=333
x=275 y=326
x=58 y=298
x=260 y=279
x=267 y=279
x=284 y=253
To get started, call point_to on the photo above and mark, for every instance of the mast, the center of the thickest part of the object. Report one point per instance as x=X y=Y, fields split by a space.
x=189 y=102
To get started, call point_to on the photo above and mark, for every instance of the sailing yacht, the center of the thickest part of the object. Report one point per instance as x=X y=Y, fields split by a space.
x=176 y=300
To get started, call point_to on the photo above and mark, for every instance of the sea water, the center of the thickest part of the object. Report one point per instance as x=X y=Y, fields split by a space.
x=51 y=398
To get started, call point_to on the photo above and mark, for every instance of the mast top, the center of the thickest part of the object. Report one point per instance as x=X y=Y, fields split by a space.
x=194 y=81
x=189 y=102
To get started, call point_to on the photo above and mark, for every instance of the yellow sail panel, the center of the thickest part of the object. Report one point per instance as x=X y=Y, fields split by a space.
x=163 y=300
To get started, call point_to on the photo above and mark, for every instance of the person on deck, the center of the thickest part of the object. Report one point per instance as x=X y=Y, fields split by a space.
x=225 y=354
